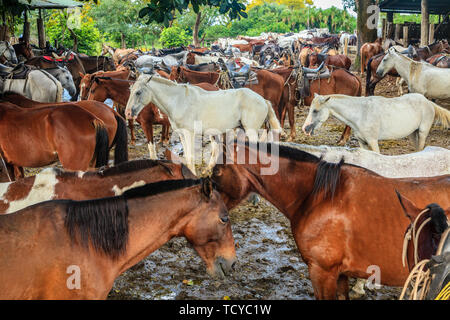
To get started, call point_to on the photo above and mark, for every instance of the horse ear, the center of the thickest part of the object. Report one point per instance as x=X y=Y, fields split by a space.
x=97 y=80
x=326 y=99
x=81 y=74
x=408 y=206
x=315 y=95
x=207 y=187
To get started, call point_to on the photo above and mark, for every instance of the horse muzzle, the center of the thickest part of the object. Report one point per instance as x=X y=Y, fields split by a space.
x=222 y=267
x=379 y=72
x=309 y=129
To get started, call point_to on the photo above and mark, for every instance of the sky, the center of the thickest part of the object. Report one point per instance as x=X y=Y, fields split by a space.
x=325 y=4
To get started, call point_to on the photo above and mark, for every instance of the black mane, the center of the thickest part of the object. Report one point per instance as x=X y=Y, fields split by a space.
x=438 y=218
x=104 y=222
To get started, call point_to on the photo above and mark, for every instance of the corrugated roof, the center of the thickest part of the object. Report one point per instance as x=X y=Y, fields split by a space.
x=50 y=4
x=414 y=6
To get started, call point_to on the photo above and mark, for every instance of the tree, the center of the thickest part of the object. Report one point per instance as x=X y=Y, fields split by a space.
x=174 y=37
x=163 y=11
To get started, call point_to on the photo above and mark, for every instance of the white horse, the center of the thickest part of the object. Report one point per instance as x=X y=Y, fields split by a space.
x=421 y=77
x=379 y=118
x=65 y=78
x=39 y=85
x=188 y=106
x=8 y=53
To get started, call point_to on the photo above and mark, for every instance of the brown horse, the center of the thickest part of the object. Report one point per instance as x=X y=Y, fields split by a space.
x=114 y=123
x=339 y=60
x=432 y=49
x=344 y=218
x=60 y=184
x=40 y=136
x=341 y=81
x=372 y=78
x=76 y=249
x=23 y=49
x=368 y=50
x=439 y=60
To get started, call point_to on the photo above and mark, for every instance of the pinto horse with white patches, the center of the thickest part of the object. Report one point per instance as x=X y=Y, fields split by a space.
x=54 y=183
x=378 y=118
x=186 y=104
x=421 y=77
x=105 y=237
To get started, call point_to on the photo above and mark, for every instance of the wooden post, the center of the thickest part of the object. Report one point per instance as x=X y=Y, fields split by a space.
x=346 y=46
x=390 y=17
x=26 y=28
x=405 y=36
x=431 y=33
x=383 y=29
x=424 y=24
x=41 y=30
x=398 y=29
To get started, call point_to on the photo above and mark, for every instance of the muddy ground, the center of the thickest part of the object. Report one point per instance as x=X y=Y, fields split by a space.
x=269 y=265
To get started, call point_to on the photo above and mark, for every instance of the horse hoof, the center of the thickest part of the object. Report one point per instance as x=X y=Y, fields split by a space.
x=291 y=138
x=341 y=143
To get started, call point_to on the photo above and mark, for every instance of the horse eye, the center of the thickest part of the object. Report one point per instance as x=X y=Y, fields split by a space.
x=314 y=111
x=224 y=220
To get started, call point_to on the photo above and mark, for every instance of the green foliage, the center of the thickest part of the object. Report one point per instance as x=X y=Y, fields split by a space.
x=174 y=37
x=163 y=11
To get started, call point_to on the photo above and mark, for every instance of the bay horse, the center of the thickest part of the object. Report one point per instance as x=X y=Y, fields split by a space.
x=341 y=81
x=113 y=122
x=97 y=240
x=40 y=136
x=344 y=218
x=339 y=60
x=426 y=249
x=54 y=183
x=23 y=49
x=368 y=50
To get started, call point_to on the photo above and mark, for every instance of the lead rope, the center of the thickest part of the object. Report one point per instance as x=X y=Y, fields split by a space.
x=419 y=279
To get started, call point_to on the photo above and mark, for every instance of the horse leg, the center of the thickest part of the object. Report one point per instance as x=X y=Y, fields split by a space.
x=324 y=282
x=187 y=140
x=214 y=154
x=291 y=116
x=373 y=145
x=422 y=137
x=345 y=136
x=131 y=126
x=18 y=172
x=342 y=287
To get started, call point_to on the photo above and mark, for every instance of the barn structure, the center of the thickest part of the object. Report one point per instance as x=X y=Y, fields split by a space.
x=425 y=32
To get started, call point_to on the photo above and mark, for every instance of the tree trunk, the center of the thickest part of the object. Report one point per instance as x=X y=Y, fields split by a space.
x=196 y=29
x=122 y=41
x=75 y=40
x=365 y=34
x=424 y=24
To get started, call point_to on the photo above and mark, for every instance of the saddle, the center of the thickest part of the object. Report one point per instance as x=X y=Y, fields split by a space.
x=242 y=77
x=20 y=71
x=305 y=75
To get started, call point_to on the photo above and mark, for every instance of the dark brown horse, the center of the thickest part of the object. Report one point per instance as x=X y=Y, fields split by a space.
x=114 y=123
x=344 y=218
x=60 y=184
x=76 y=249
x=40 y=136
x=23 y=49
x=430 y=50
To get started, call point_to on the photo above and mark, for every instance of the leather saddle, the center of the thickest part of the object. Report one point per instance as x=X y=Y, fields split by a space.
x=243 y=76
x=305 y=75
x=20 y=71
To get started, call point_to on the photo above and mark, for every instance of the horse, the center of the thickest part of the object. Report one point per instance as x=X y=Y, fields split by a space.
x=54 y=183
x=7 y=53
x=38 y=85
x=113 y=122
x=379 y=118
x=119 y=91
x=100 y=239
x=439 y=60
x=40 y=136
x=23 y=49
x=340 y=60
x=429 y=50
x=426 y=245
x=421 y=77
x=338 y=231
x=65 y=78
x=368 y=50
x=186 y=104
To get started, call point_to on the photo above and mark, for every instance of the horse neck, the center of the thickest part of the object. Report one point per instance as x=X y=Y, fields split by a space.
x=149 y=229
x=402 y=66
x=164 y=94
x=343 y=110
x=117 y=90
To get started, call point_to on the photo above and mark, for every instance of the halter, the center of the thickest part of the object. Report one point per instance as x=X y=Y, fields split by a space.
x=419 y=279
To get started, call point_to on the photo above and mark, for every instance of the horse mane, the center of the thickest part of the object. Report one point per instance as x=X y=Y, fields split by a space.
x=104 y=222
x=134 y=165
x=438 y=218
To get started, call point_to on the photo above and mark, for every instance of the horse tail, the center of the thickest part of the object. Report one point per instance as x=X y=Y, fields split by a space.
x=272 y=118
x=441 y=116
x=369 y=75
x=101 y=153
x=120 y=141
x=363 y=56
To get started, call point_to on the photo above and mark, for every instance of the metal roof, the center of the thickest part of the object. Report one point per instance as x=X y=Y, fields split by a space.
x=414 y=6
x=50 y=4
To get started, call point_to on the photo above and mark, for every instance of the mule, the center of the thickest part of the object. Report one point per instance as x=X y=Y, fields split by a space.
x=103 y=238
x=338 y=232
x=379 y=118
x=40 y=136
x=54 y=183
x=185 y=104
x=421 y=77
x=113 y=122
